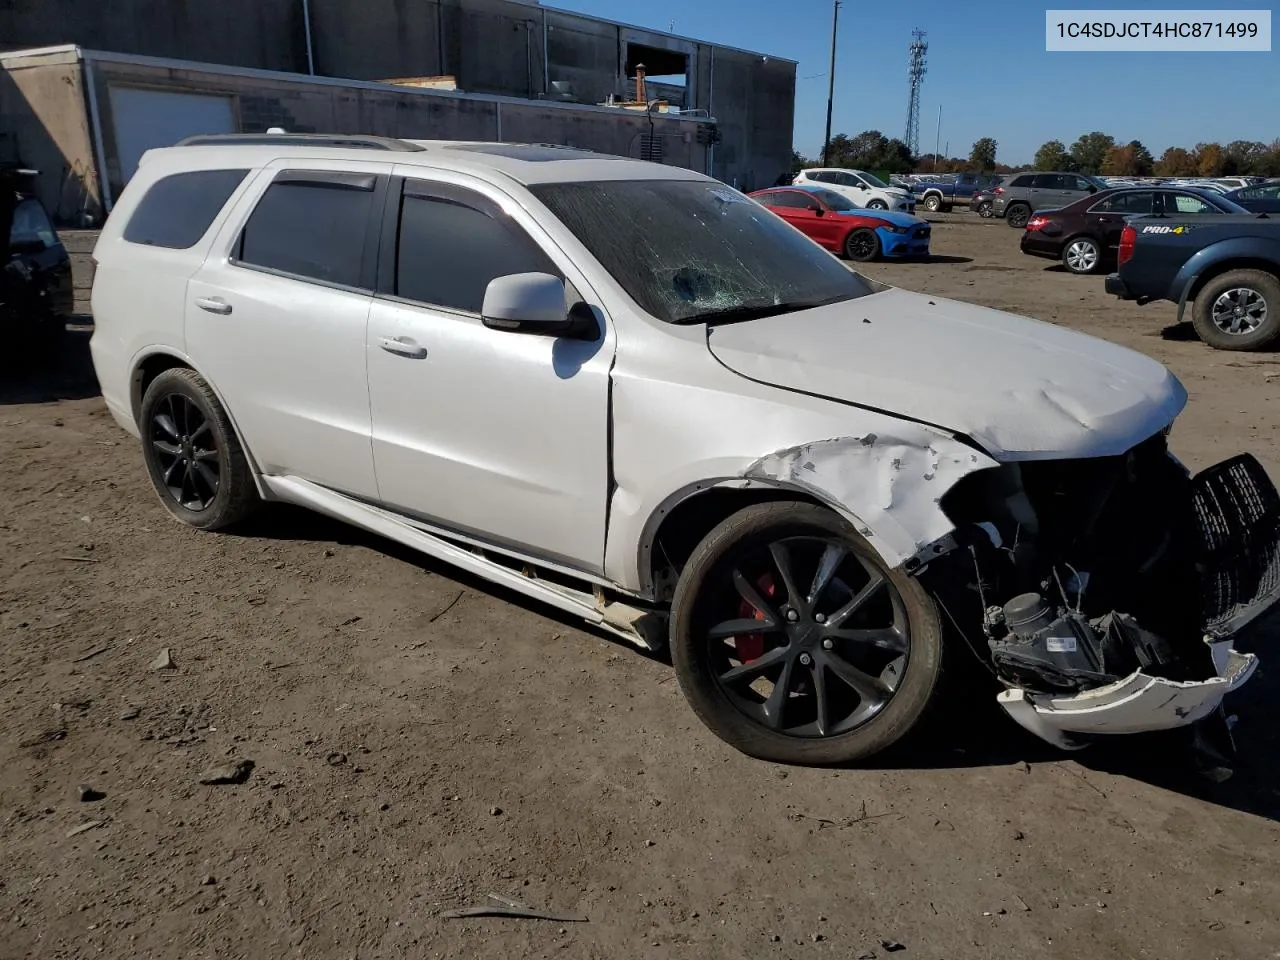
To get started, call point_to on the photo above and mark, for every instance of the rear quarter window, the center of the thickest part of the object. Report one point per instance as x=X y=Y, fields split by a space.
x=177 y=210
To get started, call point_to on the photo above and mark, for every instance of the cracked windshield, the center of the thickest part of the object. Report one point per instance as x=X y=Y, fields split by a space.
x=690 y=251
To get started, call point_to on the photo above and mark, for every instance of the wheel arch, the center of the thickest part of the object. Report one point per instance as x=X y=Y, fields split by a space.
x=1209 y=273
x=149 y=364
x=685 y=517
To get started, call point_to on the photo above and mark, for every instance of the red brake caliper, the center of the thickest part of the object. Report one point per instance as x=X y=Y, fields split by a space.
x=750 y=646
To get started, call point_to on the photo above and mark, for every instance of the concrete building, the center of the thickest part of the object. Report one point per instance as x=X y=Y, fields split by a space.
x=450 y=69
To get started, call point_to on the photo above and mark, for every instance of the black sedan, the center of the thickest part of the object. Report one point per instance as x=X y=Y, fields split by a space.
x=1260 y=198
x=1085 y=235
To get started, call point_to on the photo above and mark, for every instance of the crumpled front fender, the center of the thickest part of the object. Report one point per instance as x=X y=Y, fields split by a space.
x=888 y=485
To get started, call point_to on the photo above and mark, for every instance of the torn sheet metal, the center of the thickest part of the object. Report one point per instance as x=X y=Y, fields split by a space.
x=1137 y=704
x=889 y=484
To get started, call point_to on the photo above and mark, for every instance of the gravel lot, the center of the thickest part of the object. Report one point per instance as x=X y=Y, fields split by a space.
x=421 y=740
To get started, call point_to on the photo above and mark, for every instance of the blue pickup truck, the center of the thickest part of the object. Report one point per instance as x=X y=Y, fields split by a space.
x=950 y=190
x=1227 y=267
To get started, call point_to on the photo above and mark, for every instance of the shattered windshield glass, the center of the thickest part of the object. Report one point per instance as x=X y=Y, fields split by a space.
x=689 y=251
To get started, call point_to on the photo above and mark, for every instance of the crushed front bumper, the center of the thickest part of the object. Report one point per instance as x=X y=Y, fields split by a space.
x=1139 y=703
x=1239 y=517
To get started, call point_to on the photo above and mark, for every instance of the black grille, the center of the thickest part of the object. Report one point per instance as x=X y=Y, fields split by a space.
x=1239 y=513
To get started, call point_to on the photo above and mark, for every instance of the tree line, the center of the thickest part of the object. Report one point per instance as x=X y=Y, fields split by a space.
x=1093 y=153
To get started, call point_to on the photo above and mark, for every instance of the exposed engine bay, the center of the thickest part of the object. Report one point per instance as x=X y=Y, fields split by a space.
x=1104 y=592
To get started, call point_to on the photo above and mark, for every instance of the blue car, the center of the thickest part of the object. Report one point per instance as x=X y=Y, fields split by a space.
x=900 y=234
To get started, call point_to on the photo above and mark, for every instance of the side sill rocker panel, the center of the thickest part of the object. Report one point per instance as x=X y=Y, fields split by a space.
x=631 y=623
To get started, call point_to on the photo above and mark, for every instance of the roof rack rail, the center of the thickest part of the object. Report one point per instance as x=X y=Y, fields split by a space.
x=312 y=139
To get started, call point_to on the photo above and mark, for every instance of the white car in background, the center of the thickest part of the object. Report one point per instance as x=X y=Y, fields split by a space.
x=630 y=392
x=862 y=189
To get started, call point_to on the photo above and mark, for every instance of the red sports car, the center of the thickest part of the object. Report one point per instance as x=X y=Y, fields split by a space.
x=854 y=232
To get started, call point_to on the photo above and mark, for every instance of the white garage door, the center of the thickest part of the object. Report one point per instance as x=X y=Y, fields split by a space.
x=145 y=119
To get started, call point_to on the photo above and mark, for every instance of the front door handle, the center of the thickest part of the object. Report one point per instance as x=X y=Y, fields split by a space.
x=213 y=304
x=403 y=346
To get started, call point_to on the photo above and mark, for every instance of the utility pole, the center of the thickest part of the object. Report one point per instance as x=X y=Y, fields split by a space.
x=831 y=79
x=937 y=143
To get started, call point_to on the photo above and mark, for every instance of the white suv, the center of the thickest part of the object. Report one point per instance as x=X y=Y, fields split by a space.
x=629 y=391
x=861 y=188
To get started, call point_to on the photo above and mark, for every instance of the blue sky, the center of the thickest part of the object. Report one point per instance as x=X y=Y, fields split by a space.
x=987 y=68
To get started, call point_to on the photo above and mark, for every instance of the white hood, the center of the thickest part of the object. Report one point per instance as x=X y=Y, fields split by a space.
x=1022 y=389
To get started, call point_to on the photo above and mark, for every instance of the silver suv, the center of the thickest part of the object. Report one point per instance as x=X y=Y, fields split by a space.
x=1022 y=194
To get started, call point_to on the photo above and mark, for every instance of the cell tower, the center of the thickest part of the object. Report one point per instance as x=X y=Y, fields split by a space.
x=915 y=73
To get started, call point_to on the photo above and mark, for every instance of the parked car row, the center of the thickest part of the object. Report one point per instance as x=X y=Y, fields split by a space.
x=1218 y=252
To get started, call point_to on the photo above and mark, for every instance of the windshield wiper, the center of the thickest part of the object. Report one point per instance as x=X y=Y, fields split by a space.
x=758 y=311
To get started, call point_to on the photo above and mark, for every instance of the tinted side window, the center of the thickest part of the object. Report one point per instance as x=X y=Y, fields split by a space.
x=31 y=226
x=1126 y=203
x=1185 y=203
x=793 y=199
x=1080 y=184
x=178 y=209
x=310 y=229
x=1023 y=181
x=449 y=251
x=818 y=176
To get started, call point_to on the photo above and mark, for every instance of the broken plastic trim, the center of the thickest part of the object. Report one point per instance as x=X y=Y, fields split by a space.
x=1136 y=704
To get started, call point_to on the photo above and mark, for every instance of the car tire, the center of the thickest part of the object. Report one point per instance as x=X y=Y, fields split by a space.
x=932 y=202
x=194 y=458
x=1082 y=255
x=1017 y=215
x=1240 y=299
x=985 y=210
x=877 y=205
x=864 y=711
x=862 y=245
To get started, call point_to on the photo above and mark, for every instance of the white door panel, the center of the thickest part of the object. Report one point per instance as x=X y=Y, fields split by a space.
x=282 y=339
x=498 y=434
x=288 y=358
x=495 y=433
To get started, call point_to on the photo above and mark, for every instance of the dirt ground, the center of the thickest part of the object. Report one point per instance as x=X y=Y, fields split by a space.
x=421 y=740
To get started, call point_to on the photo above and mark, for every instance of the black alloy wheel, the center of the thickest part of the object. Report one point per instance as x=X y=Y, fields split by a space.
x=793 y=641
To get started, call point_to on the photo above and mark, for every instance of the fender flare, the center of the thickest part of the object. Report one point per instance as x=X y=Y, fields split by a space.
x=167 y=350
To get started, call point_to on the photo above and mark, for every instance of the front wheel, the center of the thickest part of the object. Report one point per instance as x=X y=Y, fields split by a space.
x=193 y=455
x=1017 y=215
x=877 y=205
x=1239 y=310
x=795 y=643
x=862 y=245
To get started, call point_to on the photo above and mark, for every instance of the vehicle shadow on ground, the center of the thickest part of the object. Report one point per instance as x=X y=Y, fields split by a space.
x=65 y=374
x=282 y=521
x=1178 y=333
x=973 y=731
x=942 y=258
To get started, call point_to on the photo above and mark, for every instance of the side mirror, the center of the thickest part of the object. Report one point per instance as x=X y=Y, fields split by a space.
x=1093 y=189
x=861 y=185
x=534 y=303
x=817 y=210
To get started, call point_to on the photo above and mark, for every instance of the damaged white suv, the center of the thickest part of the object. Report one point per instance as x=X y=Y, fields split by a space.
x=629 y=391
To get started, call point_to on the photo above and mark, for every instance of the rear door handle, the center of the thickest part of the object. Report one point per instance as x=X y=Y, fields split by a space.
x=213 y=304
x=403 y=346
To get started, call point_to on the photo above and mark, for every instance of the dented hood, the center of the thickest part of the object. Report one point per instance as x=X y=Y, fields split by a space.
x=1021 y=388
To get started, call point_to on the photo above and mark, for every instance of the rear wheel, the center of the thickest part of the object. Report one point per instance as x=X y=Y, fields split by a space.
x=933 y=203
x=195 y=460
x=1017 y=215
x=1082 y=255
x=793 y=642
x=985 y=211
x=1239 y=310
x=862 y=245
